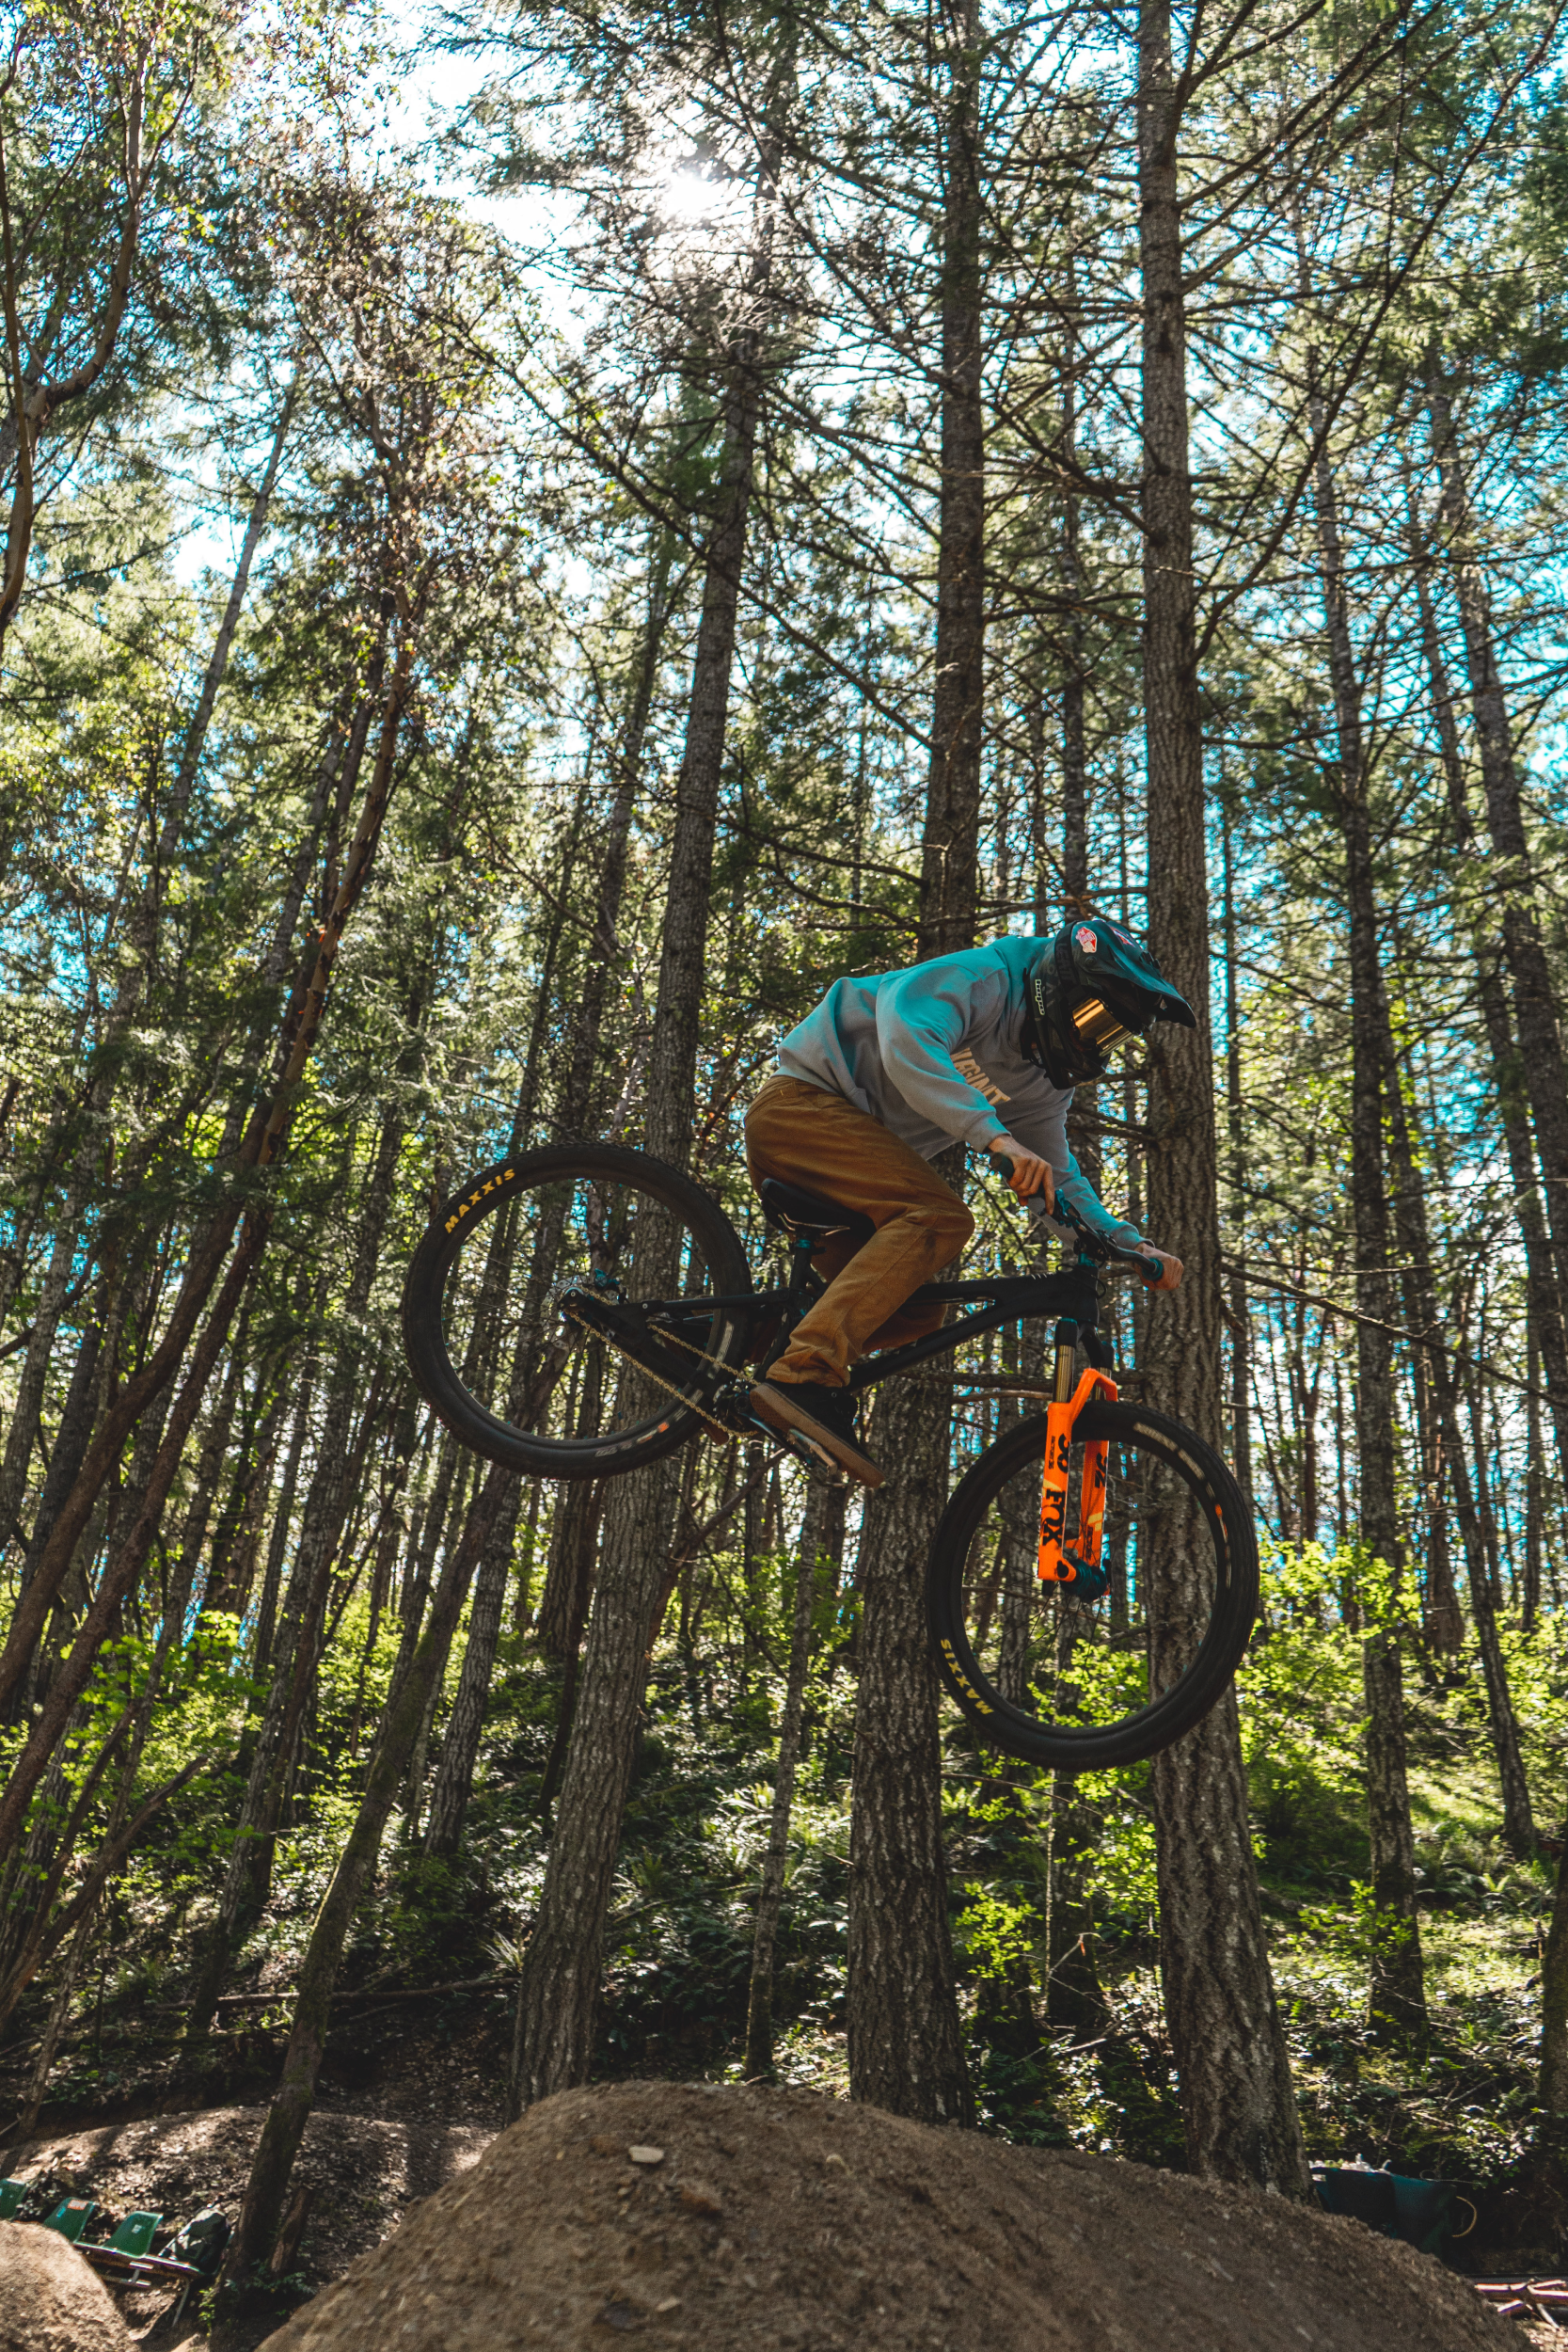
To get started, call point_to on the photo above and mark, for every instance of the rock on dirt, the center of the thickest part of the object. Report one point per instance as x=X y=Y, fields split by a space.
x=50 y=2299
x=781 y=2219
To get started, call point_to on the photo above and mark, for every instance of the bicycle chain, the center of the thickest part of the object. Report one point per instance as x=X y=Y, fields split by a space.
x=721 y=1428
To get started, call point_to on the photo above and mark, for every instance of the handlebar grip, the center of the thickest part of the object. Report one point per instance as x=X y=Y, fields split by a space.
x=1150 y=1271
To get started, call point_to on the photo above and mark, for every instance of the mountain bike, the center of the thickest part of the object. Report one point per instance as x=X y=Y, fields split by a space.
x=582 y=1309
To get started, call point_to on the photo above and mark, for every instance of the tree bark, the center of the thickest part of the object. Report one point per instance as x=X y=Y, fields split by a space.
x=1420 y=1291
x=1506 y=1071
x=905 y=2041
x=1553 y=2085
x=1240 y=1353
x=758 y=2064
x=906 y=2044
x=1237 y=2104
x=558 y=1991
x=217 y=664
x=605 y=947
x=454 y=1778
x=1396 y=1992
x=1512 y=877
x=948 y=860
x=284 y=2128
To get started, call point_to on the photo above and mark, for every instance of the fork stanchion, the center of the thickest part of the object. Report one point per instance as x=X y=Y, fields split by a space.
x=1066 y=1350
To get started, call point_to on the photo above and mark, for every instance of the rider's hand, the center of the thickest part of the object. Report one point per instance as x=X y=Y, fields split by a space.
x=1031 y=1174
x=1171 y=1278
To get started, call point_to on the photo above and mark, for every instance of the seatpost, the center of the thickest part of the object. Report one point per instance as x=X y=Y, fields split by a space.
x=1067 y=1348
x=800 y=1264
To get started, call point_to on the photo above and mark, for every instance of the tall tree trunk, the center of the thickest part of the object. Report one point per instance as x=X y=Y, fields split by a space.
x=559 y=1989
x=758 y=2063
x=1535 y=1498
x=605 y=948
x=1075 y=760
x=906 y=2047
x=1240 y=1353
x=1507 y=1069
x=1512 y=877
x=317 y=1974
x=1396 y=1996
x=1421 y=1290
x=27 y=1413
x=278 y=1541
x=905 y=2041
x=1237 y=2105
x=454 y=1778
x=217 y=664
x=949 y=853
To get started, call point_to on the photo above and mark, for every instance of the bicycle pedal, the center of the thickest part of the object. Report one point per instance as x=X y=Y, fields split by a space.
x=732 y=1405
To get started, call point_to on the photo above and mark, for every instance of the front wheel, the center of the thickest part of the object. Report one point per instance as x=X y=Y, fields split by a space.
x=568 y=1309
x=1078 y=1685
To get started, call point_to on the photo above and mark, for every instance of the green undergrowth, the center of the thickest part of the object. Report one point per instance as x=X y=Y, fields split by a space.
x=1075 y=2054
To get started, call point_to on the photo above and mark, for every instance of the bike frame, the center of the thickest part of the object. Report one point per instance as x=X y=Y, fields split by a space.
x=1071 y=1294
x=1012 y=1298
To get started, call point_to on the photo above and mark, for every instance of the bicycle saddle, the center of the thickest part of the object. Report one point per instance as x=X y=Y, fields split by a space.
x=796 y=1212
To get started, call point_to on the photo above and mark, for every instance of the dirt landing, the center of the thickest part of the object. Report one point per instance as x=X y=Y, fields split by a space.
x=712 y=2220
x=50 y=2301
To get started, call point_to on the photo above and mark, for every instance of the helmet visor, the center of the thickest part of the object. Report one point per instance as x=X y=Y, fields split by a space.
x=1097 y=1025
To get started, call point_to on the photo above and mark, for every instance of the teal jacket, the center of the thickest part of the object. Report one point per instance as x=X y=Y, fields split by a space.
x=934 y=1052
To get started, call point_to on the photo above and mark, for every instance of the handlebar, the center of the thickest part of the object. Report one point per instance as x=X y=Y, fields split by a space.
x=1097 y=1247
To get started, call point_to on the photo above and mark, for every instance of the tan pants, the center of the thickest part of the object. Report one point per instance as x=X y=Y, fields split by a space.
x=804 y=1136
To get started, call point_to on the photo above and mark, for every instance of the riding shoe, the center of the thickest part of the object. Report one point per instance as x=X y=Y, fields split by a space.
x=825 y=1417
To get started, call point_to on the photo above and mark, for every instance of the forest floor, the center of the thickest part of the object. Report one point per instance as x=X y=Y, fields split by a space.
x=397 y=2120
x=710 y=2217
x=408 y=2106
x=411 y=2088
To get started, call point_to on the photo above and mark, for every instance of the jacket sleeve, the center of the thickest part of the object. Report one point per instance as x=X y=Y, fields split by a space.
x=1037 y=1116
x=1076 y=1188
x=921 y=1016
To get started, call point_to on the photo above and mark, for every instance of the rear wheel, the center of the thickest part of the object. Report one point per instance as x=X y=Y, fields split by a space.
x=545 y=1316
x=1084 y=1685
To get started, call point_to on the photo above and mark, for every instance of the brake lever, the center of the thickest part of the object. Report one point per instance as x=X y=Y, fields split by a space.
x=1149 y=1270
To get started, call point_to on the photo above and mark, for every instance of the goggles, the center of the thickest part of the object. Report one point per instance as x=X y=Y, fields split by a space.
x=1097 y=1025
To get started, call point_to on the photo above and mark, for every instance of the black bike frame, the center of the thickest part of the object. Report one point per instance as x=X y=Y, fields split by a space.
x=1012 y=1298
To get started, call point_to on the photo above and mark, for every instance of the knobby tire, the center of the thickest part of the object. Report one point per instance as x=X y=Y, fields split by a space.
x=1233 y=1609
x=670 y=1422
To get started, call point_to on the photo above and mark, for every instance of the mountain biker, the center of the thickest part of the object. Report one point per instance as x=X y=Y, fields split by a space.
x=889 y=1069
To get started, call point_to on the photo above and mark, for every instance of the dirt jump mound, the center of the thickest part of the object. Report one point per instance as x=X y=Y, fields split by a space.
x=726 y=2220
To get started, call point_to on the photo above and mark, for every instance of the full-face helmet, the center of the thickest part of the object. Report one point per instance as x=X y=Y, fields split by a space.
x=1095 y=985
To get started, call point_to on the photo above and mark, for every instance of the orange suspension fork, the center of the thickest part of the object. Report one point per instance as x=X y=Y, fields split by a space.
x=1059 y=1563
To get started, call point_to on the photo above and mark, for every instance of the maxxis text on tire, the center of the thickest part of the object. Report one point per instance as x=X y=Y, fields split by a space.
x=453 y=1227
